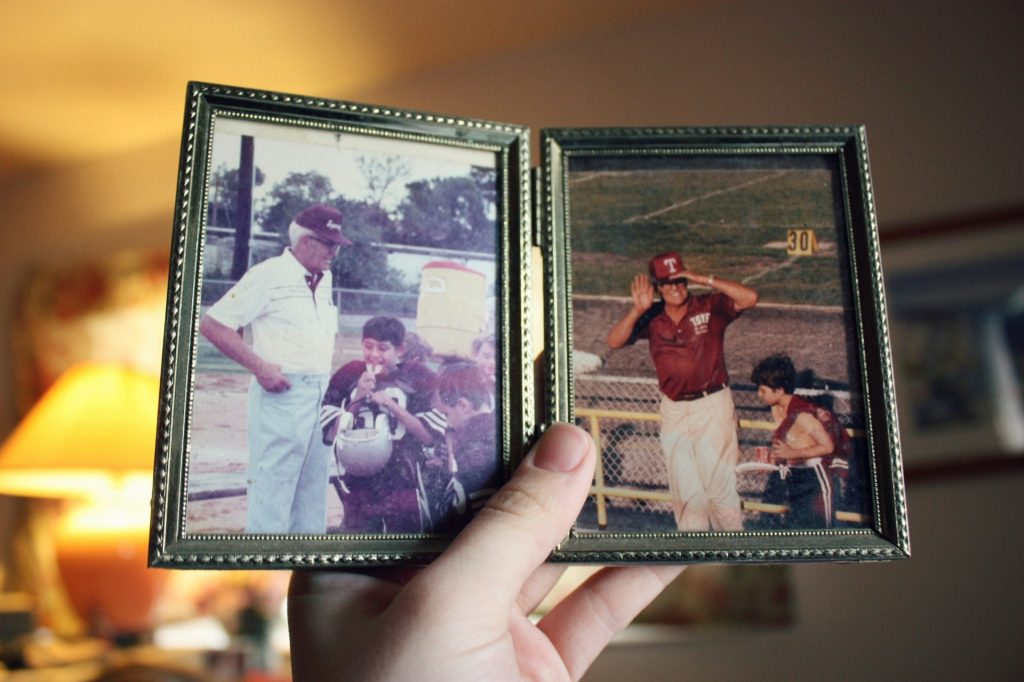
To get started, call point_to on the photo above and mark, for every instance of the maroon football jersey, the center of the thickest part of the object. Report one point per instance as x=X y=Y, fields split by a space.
x=689 y=357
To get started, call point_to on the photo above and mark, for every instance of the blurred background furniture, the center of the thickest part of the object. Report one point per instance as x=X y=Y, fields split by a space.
x=89 y=137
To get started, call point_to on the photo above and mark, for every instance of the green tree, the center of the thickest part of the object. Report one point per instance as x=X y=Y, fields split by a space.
x=486 y=180
x=289 y=197
x=223 y=205
x=449 y=213
x=380 y=173
x=364 y=265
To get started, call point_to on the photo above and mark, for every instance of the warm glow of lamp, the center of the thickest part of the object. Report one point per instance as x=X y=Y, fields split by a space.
x=90 y=439
x=93 y=430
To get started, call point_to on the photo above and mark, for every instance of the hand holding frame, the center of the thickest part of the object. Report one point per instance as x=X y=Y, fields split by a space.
x=466 y=615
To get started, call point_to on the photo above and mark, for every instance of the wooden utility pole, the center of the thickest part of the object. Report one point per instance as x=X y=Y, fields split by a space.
x=242 y=220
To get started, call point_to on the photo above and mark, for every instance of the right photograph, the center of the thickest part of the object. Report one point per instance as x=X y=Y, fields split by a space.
x=717 y=335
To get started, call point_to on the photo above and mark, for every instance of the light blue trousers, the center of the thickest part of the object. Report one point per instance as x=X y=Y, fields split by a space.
x=288 y=462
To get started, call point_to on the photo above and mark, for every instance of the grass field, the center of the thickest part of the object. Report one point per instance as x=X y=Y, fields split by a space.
x=732 y=223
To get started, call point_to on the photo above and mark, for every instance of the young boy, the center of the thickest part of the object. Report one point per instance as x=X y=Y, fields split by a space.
x=807 y=439
x=466 y=469
x=485 y=355
x=357 y=395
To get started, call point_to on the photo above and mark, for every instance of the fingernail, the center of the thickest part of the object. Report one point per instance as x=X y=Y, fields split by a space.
x=561 y=449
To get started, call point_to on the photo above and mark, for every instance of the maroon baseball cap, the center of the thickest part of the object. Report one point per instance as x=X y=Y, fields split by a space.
x=325 y=223
x=666 y=267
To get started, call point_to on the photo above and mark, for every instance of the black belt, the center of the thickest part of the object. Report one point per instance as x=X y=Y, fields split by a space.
x=686 y=397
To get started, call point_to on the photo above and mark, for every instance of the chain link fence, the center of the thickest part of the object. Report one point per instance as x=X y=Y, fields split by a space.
x=621 y=413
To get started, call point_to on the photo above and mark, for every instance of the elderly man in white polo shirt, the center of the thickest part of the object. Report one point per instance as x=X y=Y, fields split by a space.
x=287 y=302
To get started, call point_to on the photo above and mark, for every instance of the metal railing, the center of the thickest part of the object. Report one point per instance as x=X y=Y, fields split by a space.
x=621 y=414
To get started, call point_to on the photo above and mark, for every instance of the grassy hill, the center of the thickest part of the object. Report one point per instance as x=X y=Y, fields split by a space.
x=732 y=223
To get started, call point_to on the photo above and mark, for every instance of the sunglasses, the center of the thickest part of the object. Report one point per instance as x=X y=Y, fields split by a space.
x=330 y=246
x=674 y=283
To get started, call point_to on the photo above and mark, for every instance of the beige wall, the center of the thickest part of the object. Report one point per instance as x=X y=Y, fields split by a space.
x=939 y=86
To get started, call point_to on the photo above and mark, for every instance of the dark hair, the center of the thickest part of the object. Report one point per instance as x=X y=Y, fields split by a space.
x=464 y=380
x=416 y=349
x=385 y=328
x=775 y=371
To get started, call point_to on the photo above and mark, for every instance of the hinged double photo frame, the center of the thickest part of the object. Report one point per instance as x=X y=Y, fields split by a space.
x=373 y=313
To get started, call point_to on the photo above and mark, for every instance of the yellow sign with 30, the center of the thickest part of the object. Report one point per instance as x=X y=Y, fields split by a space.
x=801 y=243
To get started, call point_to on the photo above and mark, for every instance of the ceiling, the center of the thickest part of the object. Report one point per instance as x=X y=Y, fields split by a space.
x=86 y=80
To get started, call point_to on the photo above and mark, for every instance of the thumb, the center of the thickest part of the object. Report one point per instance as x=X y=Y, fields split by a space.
x=491 y=559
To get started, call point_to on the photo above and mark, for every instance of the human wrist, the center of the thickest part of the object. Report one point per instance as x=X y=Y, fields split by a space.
x=711 y=280
x=261 y=368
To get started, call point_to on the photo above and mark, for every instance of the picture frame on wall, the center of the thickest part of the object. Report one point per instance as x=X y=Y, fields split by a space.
x=957 y=310
x=344 y=360
x=713 y=288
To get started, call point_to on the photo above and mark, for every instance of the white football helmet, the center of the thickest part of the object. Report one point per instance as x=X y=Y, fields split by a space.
x=365 y=451
x=362 y=449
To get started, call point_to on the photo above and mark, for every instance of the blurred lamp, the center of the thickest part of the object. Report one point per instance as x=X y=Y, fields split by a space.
x=90 y=441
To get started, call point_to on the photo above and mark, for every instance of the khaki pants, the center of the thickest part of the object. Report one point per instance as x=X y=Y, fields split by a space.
x=698 y=438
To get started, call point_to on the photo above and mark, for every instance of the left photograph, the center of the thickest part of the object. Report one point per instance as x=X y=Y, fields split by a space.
x=349 y=378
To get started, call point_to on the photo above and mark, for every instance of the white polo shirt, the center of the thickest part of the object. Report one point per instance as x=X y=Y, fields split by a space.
x=291 y=325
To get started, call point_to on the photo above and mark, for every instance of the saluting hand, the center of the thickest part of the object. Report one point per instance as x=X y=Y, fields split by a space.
x=643 y=293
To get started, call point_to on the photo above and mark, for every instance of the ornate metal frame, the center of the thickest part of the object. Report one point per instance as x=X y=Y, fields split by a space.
x=171 y=543
x=844 y=149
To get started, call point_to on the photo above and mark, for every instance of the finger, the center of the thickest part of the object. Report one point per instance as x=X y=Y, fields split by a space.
x=334 y=601
x=330 y=617
x=349 y=593
x=491 y=559
x=538 y=586
x=583 y=623
x=342 y=587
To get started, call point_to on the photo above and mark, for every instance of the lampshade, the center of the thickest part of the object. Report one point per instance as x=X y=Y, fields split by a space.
x=94 y=429
x=90 y=440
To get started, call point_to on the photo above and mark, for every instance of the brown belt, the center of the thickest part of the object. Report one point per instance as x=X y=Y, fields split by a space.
x=686 y=397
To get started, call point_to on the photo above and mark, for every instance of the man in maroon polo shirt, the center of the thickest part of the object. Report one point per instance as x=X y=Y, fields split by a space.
x=685 y=333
